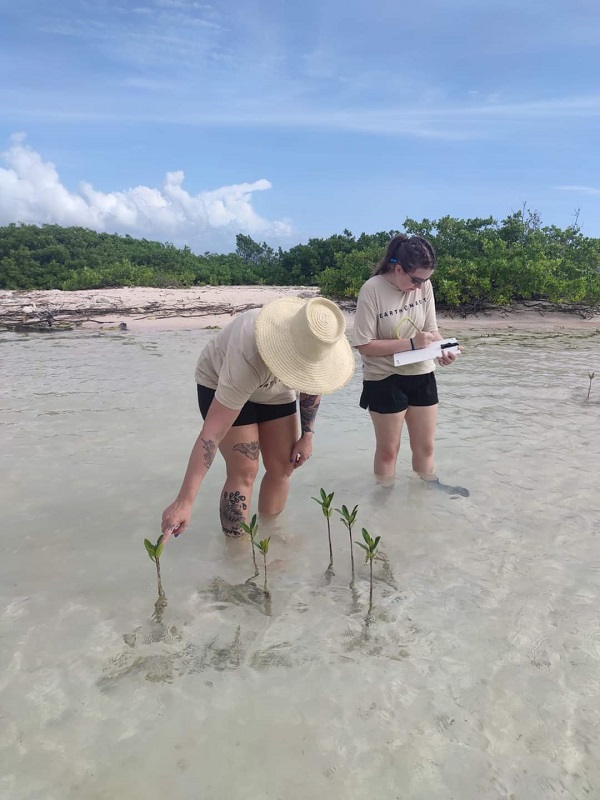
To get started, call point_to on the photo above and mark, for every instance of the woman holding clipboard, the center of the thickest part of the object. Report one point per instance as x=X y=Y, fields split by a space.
x=395 y=313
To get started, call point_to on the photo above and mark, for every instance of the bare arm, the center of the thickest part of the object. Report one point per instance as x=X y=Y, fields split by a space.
x=387 y=347
x=302 y=450
x=309 y=405
x=216 y=426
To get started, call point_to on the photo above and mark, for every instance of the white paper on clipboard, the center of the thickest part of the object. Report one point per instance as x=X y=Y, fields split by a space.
x=434 y=350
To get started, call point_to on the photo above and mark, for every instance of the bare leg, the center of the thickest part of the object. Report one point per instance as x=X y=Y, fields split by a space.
x=388 y=430
x=421 y=422
x=277 y=439
x=240 y=450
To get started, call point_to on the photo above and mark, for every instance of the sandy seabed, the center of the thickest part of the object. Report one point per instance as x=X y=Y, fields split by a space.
x=143 y=308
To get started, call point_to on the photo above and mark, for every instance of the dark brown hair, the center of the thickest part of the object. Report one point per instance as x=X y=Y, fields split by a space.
x=411 y=253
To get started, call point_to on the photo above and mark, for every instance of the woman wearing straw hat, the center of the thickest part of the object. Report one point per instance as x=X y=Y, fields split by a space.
x=247 y=378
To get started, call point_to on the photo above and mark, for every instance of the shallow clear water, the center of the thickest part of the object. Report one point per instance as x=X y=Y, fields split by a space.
x=478 y=676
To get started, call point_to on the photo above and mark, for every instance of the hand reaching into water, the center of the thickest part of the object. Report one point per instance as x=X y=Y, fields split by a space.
x=301 y=451
x=175 y=519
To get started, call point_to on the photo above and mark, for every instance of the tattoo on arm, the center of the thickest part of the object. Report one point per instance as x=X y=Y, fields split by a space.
x=248 y=449
x=210 y=451
x=309 y=405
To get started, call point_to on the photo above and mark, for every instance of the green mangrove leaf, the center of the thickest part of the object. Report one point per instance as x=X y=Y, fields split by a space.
x=263 y=546
x=344 y=520
x=149 y=548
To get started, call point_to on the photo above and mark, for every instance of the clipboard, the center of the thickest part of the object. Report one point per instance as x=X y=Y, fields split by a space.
x=433 y=350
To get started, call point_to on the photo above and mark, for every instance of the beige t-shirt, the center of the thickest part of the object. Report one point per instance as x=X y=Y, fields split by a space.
x=383 y=312
x=231 y=364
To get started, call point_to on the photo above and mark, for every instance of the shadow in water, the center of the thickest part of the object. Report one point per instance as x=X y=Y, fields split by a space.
x=375 y=637
x=225 y=594
x=329 y=574
x=158 y=653
x=453 y=491
x=386 y=574
x=161 y=652
x=160 y=605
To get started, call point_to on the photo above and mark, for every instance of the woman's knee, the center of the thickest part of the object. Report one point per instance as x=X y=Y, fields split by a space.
x=388 y=452
x=279 y=470
x=423 y=449
x=243 y=473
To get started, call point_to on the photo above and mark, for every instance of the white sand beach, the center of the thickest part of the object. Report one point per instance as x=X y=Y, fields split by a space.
x=144 y=308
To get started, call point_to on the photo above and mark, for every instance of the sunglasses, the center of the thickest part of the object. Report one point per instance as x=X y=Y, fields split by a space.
x=413 y=280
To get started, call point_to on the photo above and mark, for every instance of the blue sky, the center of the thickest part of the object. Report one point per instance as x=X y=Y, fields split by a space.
x=189 y=121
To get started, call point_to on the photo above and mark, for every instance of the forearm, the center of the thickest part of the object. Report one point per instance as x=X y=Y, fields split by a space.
x=309 y=405
x=202 y=456
x=384 y=347
x=217 y=424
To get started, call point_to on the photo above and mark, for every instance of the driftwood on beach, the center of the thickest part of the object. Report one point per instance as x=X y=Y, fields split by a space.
x=43 y=321
x=52 y=310
x=55 y=309
x=65 y=318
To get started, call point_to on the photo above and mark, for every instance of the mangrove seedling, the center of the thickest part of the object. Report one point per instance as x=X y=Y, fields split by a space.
x=251 y=530
x=348 y=518
x=263 y=546
x=154 y=552
x=370 y=546
x=325 y=503
x=591 y=376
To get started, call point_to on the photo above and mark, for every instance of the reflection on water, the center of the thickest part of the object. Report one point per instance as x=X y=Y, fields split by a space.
x=475 y=677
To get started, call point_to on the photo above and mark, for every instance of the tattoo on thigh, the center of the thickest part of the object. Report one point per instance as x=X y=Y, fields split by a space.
x=210 y=450
x=232 y=510
x=248 y=449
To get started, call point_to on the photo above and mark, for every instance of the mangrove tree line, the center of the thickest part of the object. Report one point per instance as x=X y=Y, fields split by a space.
x=480 y=261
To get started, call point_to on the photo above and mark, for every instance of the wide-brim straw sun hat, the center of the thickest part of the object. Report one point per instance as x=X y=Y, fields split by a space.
x=303 y=342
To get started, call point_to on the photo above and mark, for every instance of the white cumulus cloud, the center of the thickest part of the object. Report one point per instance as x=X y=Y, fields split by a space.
x=31 y=191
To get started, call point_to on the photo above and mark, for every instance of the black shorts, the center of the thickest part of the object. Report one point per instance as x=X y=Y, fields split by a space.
x=398 y=392
x=250 y=413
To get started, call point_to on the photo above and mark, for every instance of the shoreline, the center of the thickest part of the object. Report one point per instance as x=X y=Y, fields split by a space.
x=204 y=307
